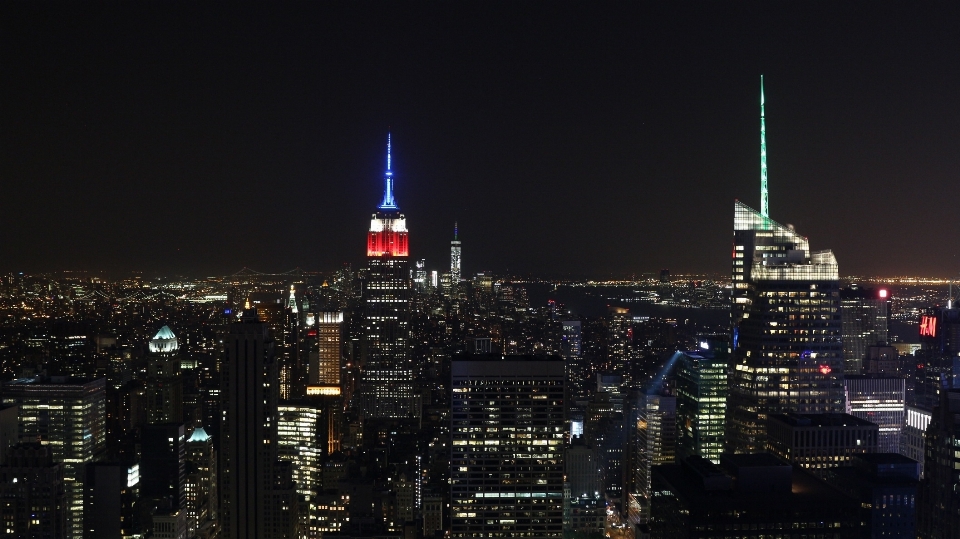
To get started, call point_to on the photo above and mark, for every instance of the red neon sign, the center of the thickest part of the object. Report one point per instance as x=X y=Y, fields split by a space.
x=825 y=369
x=928 y=326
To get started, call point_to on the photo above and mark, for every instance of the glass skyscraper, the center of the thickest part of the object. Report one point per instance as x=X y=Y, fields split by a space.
x=788 y=354
x=701 y=390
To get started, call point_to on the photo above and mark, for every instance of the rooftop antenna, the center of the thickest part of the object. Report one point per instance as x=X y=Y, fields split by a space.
x=388 y=201
x=764 y=195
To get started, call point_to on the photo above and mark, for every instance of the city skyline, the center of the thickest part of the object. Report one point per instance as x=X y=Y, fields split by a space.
x=626 y=130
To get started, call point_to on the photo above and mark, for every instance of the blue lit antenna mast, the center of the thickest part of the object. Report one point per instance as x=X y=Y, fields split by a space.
x=764 y=195
x=388 y=201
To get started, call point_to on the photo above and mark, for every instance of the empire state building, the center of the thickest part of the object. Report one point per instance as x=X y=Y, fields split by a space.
x=386 y=389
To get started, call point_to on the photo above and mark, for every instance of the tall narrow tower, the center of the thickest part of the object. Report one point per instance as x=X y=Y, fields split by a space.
x=386 y=388
x=257 y=496
x=164 y=382
x=785 y=315
x=455 y=257
x=764 y=195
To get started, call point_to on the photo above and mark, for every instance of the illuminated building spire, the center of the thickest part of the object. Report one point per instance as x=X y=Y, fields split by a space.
x=388 y=201
x=455 y=229
x=292 y=302
x=764 y=195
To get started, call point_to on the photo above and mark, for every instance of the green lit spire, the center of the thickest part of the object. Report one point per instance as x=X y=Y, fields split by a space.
x=764 y=195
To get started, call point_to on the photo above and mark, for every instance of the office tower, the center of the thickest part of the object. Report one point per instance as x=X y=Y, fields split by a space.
x=200 y=486
x=325 y=375
x=882 y=400
x=299 y=435
x=455 y=257
x=584 y=503
x=32 y=497
x=603 y=426
x=753 y=495
x=864 y=321
x=820 y=441
x=162 y=471
x=938 y=359
x=386 y=387
x=620 y=349
x=257 y=500
x=938 y=499
x=68 y=416
x=914 y=430
x=577 y=368
x=325 y=364
x=656 y=444
x=507 y=454
x=164 y=384
x=785 y=315
x=885 y=484
x=292 y=367
x=701 y=390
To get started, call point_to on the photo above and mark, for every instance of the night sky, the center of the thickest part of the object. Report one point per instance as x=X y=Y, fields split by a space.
x=567 y=139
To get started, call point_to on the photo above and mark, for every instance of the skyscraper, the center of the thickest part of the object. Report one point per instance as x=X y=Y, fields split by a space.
x=386 y=388
x=508 y=435
x=325 y=363
x=162 y=463
x=701 y=388
x=938 y=498
x=455 y=258
x=69 y=416
x=938 y=360
x=882 y=400
x=299 y=442
x=201 y=481
x=164 y=382
x=785 y=318
x=325 y=375
x=258 y=499
x=864 y=317
x=656 y=444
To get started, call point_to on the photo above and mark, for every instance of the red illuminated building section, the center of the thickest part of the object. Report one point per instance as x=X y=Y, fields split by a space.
x=388 y=236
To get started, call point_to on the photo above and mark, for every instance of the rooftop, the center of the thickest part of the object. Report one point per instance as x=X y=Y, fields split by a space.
x=821 y=420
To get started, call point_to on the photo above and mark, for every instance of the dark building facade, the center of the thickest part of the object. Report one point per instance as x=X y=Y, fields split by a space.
x=938 y=500
x=747 y=496
x=885 y=484
x=32 y=496
x=257 y=500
